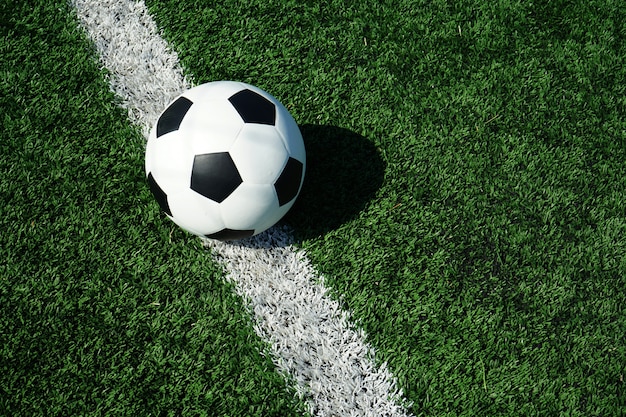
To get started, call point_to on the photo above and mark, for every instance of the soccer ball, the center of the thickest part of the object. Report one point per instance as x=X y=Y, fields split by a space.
x=225 y=160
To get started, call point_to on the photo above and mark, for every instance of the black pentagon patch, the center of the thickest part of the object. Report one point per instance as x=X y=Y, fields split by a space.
x=215 y=176
x=254 y=108
x=172 y=116
x=229 y=234
x=159 y=195
x=288 y=183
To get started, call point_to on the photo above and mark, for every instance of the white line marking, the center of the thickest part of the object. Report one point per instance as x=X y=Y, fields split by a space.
x=310 y=335
x=143 y=71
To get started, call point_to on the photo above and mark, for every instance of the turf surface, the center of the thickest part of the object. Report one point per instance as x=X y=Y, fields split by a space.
x=476 y=227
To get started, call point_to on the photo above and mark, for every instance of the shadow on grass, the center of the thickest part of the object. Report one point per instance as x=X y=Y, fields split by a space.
x=344 y=170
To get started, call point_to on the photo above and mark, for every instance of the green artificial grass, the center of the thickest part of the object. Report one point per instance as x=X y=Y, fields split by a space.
x=464 y=199
x=485 y=254
x=106 y=308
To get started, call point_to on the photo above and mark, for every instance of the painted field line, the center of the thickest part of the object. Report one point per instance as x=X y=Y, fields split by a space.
x=311 y=337
x=143 y=71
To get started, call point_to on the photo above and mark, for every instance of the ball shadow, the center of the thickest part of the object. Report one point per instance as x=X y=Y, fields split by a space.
x=343 y=173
